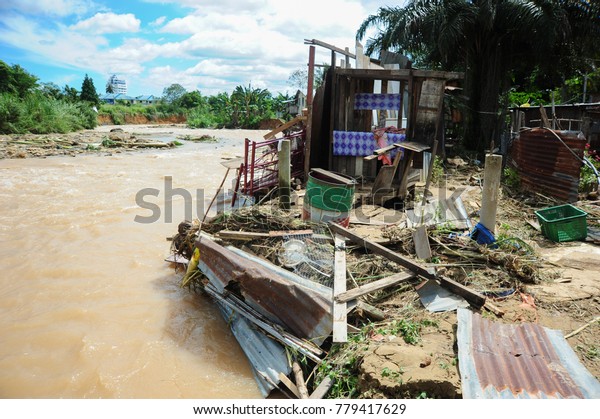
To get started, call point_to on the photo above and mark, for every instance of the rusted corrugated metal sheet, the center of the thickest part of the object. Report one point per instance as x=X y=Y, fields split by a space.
x=506 y=361
x=297 y=308
x=545 y=165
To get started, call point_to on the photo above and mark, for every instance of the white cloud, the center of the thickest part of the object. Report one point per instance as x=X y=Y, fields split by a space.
x=222 y=6
x=215 y=48
x=108 y=23
x=159 y=21
x=49 y=7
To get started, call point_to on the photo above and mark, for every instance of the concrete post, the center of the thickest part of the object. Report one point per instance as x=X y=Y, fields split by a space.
x=491 y=189
x=284 y=174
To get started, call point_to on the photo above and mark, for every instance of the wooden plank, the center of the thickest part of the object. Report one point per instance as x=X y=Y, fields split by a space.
x=473 y=297
x=232 y=163
x=370 y=157
x=494 y=309
x=289 y=384
x=421 y=241
x=283 y=127
x=385 y=177
x=322 y=388
x=402 y=74
x=340 y=328
x=403 y=190
x=373 y=286
x=413 y=146
x=334 y=176
x=384 y=150
x=371 y=312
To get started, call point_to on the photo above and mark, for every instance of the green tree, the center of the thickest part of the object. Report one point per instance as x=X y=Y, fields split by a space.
x=88 y=91
x=172 y=93
x=51 y=90
x=193 y=99
x=220 y=107
x=70 y=93
x=109 y=88
x=250 y=106
x=280 y=104
x=488 y=39
x=299 y=79
x=16 y=80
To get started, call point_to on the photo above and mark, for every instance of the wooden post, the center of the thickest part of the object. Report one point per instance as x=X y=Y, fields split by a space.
x=340 y=328
x=491 y=187
x=284 y=174
x=311 y=76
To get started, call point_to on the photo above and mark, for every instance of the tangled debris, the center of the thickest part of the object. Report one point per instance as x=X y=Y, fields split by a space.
x=397 y=348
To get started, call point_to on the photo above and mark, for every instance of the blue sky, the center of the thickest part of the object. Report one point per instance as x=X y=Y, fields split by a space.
x=211 y=46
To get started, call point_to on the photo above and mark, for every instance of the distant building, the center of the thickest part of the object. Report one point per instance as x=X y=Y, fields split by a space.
x=119 y=86
x=112 y=98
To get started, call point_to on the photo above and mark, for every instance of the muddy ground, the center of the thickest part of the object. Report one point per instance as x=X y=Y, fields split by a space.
x=559 y=289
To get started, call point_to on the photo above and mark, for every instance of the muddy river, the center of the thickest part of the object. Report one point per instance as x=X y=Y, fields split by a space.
x=88 y=307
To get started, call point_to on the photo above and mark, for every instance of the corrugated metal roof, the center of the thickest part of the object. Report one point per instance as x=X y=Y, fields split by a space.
x=508 y=361
x=545 y=165
x=298 y=308
x=267 y=357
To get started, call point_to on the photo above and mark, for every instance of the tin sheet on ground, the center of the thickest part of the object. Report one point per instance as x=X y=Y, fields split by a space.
x=518 y=361
x=435 y=298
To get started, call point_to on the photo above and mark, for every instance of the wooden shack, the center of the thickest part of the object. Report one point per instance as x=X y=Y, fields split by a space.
x=352 y=103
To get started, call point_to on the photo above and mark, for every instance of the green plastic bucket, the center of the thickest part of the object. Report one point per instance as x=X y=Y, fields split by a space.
x=328 y=200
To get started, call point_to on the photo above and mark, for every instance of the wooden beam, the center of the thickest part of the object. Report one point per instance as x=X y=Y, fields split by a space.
x=329 y=47
x=383 y=251
x=473 y=297
x=283 y=127
x=311 y=76
x=322 y=388
x=354 y=293
x=340 y=328
x=399 y=75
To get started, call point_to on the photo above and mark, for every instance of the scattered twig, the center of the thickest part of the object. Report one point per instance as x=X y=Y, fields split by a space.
x=575 y=332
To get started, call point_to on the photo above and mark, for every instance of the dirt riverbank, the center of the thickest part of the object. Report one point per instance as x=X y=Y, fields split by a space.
x=110 y=139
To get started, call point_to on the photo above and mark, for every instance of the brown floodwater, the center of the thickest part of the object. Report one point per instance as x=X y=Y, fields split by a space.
x=88 y=307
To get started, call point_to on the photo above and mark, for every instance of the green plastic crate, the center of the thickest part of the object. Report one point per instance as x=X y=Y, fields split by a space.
x=563 y=223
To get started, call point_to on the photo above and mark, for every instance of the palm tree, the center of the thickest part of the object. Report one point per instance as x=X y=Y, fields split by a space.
x=250 y=105
x=487 y=39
